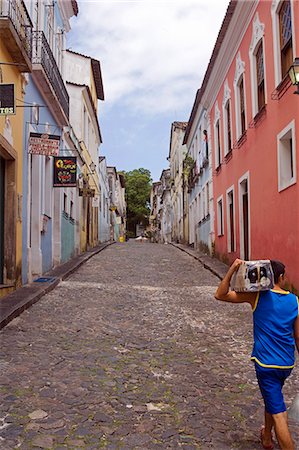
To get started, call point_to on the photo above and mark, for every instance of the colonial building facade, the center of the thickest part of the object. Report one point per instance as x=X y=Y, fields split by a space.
x=252 y=123
x=177 y=154
x=47 y=115
x=16 y=59
x=85 y=87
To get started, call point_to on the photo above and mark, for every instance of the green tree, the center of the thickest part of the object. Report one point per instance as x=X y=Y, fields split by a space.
x=138 y=188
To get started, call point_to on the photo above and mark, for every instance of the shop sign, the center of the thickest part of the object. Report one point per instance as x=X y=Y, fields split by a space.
x=87 y=192
x=44 y=144
x=7 y=99
x=65 y=171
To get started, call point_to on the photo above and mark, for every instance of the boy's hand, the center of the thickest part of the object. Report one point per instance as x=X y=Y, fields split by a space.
x=235 y=265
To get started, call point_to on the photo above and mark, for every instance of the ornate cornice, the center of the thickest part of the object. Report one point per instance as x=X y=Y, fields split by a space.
x=226 y=94
x=240 y=68
x=258 y=30
x=217 y=113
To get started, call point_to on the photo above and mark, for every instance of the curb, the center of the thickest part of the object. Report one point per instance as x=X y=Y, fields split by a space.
x=218 y=273
x=12 y=305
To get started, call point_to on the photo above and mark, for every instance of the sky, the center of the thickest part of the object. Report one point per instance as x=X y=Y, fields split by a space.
x=153 y=55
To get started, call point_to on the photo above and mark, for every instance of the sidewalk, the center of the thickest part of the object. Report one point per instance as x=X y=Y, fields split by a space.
x=14 y=304
x=215 y=266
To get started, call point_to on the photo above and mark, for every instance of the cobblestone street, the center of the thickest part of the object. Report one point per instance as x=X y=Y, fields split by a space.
x=132 y=352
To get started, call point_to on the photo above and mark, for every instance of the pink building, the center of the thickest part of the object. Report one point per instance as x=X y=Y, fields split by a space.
x=254 y=123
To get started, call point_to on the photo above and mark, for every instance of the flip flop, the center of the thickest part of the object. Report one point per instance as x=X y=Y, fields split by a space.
x=266 y=447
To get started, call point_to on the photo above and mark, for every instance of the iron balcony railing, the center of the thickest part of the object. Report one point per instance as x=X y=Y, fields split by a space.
x=16 y=11
x=42 y=54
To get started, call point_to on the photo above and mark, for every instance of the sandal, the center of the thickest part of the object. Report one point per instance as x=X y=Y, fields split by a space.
x=266 y=447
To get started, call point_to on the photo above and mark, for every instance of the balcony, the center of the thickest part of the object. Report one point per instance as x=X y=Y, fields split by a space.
x=45 y=71
x=16 y=32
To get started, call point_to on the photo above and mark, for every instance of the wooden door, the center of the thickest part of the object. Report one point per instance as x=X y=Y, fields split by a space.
x=2 y=183
x=246 y=225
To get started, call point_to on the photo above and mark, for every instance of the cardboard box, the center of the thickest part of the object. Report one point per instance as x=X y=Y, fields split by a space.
x=253 y=276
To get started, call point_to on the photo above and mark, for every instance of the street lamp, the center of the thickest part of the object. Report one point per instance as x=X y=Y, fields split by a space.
x=92 y=167
x=294 y=74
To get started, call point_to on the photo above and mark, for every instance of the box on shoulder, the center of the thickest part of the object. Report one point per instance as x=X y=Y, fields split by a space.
x=253 y=276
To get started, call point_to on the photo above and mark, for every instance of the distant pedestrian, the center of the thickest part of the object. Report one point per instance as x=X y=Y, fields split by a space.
x=276 y=332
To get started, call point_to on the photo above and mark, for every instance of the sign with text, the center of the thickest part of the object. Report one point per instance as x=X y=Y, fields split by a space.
x=86 y=192
x=44 y=144
x=7 y=99
x=65 y=171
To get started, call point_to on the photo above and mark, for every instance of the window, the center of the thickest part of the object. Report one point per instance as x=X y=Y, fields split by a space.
x=228 y=127
x=231 y=221
x=220 y=226
x=203 y=196
x=286 y=149
x=217 y=143
x=260 y=77
x=65 y=203
x=72 y=209
x=208 y=198
x=285 y=35
x=242 y=105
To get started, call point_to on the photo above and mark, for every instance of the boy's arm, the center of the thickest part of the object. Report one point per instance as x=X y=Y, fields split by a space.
x=224 y=294
x=296 y=332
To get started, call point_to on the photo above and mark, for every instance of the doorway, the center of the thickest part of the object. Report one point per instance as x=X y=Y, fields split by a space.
x=244 y=220
x=2 y=189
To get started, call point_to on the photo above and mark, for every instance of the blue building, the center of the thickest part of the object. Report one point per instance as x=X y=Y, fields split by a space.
x=48 y=213
x=197 y=139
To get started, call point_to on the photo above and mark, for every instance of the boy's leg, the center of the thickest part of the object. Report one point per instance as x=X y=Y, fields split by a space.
x=282 y=431
x=267 y=432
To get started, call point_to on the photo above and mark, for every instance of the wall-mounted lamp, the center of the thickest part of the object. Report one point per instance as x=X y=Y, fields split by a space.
x=294 y=74
x=92 y=167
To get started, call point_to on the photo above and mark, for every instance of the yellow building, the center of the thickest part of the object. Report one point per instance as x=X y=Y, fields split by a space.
x=15 y=60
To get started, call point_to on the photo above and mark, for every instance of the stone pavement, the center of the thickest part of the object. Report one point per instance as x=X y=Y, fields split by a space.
x=132 y=352
x=215 y=266
x=18 y=301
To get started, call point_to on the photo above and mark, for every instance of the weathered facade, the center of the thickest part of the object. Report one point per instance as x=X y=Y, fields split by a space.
x=104 y=201
x=154 y=219
x=165 y=211
x=84 y=84
x=177 y=154
x=118 y=208
x=44 y=207
x=16 y=59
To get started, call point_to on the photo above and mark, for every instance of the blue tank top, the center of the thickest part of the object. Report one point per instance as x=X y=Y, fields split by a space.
x=274 y=314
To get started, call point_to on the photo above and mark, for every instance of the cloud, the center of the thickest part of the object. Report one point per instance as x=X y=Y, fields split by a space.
x=153 y=53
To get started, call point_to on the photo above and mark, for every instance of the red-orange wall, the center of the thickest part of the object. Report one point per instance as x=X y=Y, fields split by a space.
x=274 y=220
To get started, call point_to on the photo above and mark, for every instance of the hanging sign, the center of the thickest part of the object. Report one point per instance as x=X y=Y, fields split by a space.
x=7 y=99
x=44 y=144
x=87 y=192
x=65 y=171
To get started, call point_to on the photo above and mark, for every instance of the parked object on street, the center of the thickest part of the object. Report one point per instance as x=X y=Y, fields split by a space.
x=253 y=276
x=293 y=412
x=141 y=239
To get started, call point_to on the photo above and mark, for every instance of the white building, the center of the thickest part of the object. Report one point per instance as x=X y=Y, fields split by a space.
x=104 y=202
x=85 y=88
x=165 y=207
x=198 y=141
x=177 y=153
x=118 y=206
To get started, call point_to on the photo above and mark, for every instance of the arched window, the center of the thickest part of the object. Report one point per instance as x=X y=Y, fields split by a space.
x=257 y=66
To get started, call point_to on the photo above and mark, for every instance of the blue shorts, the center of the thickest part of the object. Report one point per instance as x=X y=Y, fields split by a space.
x=271 y=382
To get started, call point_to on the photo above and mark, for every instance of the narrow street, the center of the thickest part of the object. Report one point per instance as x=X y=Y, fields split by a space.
x=132 y=352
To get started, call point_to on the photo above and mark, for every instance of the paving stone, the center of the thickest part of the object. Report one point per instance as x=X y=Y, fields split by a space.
x=43 y=441
x=151 y=335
